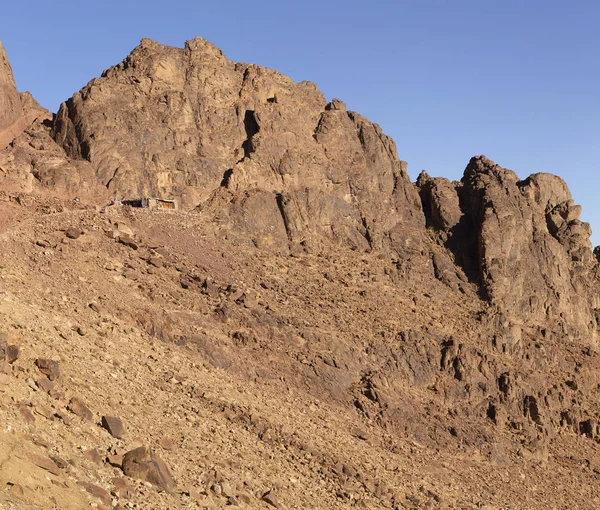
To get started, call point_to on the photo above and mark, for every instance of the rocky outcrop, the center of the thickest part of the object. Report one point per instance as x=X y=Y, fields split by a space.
x=534 y=254
x=30 y=160
x=272 y=162
x=190 y=123
x=11 y=111
x=10 y=101
x=522 y=243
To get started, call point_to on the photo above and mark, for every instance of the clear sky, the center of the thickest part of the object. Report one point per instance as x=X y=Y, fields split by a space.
x=516 y=80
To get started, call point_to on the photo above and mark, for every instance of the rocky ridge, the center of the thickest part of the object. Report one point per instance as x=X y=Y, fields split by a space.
x=427 y=321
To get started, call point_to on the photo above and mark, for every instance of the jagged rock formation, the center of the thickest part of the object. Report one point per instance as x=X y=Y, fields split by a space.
x=30 y=160
x=186 y=122
x=10 y=102
x=275 y=164
x=523 y=243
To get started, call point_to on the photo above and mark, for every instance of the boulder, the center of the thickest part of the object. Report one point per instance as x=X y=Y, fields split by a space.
x=143 y=464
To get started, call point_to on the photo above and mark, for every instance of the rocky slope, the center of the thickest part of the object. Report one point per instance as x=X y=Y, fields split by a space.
x=310 y=330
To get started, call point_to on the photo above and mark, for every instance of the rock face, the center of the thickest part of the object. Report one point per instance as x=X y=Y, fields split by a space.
x=242 y=139
x=10 y=100
x=33 y=161
x=535 y=257
x=523 y=243
x=17 y=111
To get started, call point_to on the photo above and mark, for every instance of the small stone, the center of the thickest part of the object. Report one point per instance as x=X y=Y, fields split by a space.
x=16 y=490
x=49 y=368
x=61 y=463
x=115 y=461
x=93 y=456
x=81 y=331
x=270 y=498
x=114 y=426
x=44 y=411
x=143 y=464
x=248 y=299
x=45 y=463
x=5 y=367
x=73 y=233
x=244 y=497
x=44 y=384
x=131 y=275
x=12 y=353
x=26 y=414
x=127 y=240
x=76 y=406
x=226 y=489
x=98 y=492
x=210 y=288
x=121 y=488
x=64 y=417
x=43 y=243
x=156 y=262
x=166 y=444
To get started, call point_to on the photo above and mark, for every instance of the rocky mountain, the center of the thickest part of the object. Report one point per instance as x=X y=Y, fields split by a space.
x=309 y=330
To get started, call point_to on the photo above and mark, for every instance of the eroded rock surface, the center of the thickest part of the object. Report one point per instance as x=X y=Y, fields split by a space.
x=271 y=153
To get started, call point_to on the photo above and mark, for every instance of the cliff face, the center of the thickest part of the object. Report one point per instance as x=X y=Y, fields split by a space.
x=10 y=102
x=191 y=124
x=522 y=243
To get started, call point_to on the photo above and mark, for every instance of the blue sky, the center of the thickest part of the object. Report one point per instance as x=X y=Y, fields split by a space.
x=518 y=81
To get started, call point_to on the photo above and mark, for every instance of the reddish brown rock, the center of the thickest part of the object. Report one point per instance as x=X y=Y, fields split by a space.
x=12 y=353
x=49 y=368
x=96 y=491
x=156 y=262
x=26 y=414
x=45 y=384
x=5 y=368
x=45 y=463
x=78 y=407
x=166 y=443
x=16 y=489
x=115 y=461
x=93 y=455
x=128 y=240
x=270 y=498
x=121 y=488
x=142 y=463
x=114 y=426
x=73 y=233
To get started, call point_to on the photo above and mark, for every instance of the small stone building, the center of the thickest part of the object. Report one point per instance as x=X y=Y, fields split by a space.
x=151 y=203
